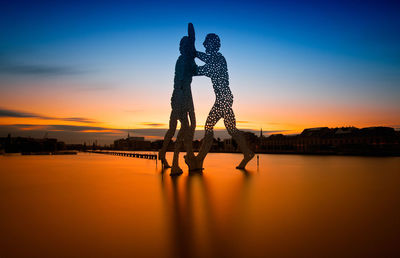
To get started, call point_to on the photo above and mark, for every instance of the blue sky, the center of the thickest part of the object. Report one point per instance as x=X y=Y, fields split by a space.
x=339 y=54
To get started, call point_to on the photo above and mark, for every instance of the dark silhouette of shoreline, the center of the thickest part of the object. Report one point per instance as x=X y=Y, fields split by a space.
x=370 y=141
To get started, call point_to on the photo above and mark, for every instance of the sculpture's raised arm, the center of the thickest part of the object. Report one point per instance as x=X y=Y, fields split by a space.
x=191 y=33
x=192 y=38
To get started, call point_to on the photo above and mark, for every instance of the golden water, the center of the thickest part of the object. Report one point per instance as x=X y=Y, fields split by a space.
x=93 y=205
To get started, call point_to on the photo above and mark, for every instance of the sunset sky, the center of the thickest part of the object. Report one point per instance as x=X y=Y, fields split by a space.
x=93 y=71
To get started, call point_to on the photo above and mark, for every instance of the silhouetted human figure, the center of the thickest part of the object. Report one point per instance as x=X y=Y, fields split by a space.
x=216 y=68
x=182 y=103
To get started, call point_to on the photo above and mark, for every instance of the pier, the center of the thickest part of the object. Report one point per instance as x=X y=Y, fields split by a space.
x=126 y=154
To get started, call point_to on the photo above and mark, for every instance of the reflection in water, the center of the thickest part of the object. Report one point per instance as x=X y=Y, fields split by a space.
x=91 y=205
x=195 y=227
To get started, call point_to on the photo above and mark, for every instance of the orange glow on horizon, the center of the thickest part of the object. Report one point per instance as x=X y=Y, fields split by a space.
x=117 y=111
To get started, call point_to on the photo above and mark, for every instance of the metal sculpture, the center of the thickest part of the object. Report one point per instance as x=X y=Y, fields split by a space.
x=182 y=103
x=215 y=67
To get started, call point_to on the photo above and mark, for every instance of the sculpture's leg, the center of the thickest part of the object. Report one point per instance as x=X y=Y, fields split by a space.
x=167 y=138
x=230 y=124
x=206 y=144
x=189 y=135
x=197 y=162
x=176 y=170
x=190 y=158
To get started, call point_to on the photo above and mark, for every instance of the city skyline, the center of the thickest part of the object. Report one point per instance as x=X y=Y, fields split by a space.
x=99 y=71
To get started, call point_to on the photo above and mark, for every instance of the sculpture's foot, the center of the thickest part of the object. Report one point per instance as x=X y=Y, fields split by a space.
x=176 y=171
x=194 y=163
x=246 y=159
x=164 y=161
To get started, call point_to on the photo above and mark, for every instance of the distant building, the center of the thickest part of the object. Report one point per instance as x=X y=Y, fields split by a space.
x=228 y=145
x=27 y=144
x=132 y=143
x=344 y=140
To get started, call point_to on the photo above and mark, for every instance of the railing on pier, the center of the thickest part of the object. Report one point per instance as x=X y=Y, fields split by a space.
x=126 y=154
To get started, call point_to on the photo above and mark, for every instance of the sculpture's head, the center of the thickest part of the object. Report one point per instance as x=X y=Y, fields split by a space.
x=186 y=47
x=212 y=43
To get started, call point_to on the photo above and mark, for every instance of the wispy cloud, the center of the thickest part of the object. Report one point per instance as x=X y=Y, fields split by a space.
x=77 y=128
x=66 y=134
x=37 y=69
x=65 y=128
x=152 y=124
x=13 y=113
x=78 y=119
x=21 y=114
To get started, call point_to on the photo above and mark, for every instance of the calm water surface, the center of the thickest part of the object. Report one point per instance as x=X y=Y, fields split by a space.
x=93 y=205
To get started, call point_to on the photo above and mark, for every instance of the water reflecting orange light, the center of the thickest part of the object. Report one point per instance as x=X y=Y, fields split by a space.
x=93 y=205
